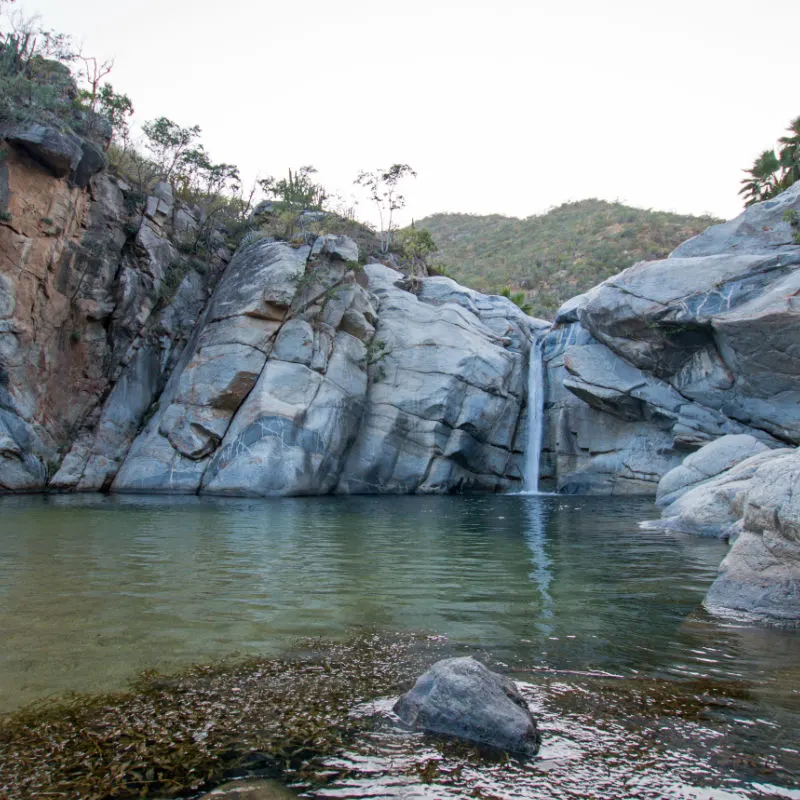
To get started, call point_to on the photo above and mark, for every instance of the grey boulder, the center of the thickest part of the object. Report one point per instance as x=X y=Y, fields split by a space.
x=61 y=153
x=460 y=697
x=713 y=507
x=669 y=355
x=759 y=580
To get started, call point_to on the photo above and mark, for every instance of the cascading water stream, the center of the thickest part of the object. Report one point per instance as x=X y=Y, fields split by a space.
x=533 y=447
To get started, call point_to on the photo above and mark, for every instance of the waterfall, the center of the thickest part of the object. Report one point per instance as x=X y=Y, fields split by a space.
x=533 y=447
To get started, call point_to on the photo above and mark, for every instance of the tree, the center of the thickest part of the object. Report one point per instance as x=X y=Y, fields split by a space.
x=168 y=142
x=116 y=108
x=298 y=192
x=381 y=186
x=773 y=173
x=93 y=72
x=790 y=153
x=196 y=176
x=417 y=245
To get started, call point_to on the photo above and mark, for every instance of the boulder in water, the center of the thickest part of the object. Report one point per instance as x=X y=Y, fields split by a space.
x=257 y=789
x=460 y=697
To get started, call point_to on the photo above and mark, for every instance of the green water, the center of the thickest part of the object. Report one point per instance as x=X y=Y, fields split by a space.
x=94 y=589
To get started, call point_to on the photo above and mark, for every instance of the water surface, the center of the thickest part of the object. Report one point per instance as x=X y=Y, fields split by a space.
x=94 y=589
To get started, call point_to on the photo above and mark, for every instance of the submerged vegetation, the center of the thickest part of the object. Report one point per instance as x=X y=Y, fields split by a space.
x=306 y=718
x=172 y=736
x=559 y=254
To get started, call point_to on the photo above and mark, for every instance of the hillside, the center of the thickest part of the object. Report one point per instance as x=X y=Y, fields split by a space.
x=558 y=254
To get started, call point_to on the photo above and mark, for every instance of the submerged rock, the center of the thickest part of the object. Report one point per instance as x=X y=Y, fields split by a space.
x=250 y=790
x=462 y=698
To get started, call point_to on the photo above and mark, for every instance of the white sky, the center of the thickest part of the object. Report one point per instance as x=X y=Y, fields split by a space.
x=501 y=106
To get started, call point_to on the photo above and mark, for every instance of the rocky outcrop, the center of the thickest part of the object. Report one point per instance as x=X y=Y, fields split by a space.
x=759 y=579
x=751 y=501
x=460 y=697
x=295 y=372
x=681 y=378
x=674 y=354
x=95 y=305
x=307 y=376
x=705 y=464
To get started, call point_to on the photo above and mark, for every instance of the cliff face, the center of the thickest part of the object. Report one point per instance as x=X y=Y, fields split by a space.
x=307 y=376
x=126 y=367
x=87 y=323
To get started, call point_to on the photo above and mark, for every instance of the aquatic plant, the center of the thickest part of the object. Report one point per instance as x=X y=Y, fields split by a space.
x=174 y=735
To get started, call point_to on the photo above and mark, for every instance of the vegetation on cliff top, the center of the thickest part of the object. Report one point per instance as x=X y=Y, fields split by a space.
x=774 y=170
x=559 y=254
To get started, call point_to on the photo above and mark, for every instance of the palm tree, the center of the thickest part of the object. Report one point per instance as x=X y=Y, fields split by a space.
x=790 y=154
x=772 y=174
x=762 y=180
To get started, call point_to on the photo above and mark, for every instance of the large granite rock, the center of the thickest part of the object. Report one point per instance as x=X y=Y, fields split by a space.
x=89 y=330
x=60 y=152
x=759 y=579
x=460 y=697
x=750 y=501
x=447 y=391
x=302 y=374
x=713 y=507
x=669 y=355
x=299 y=380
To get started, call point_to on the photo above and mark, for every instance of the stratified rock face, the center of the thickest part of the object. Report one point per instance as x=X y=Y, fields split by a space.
x=677 y=353
x=447 y=391
x=88 y=328
x=301 y=374
x=299 y=380
x=460 y=697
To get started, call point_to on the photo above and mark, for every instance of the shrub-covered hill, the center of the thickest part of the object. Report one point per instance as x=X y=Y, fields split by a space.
x=558 y=254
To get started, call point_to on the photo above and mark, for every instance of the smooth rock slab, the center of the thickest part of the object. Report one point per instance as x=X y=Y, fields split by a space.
x=460 y=697
x=706 y=463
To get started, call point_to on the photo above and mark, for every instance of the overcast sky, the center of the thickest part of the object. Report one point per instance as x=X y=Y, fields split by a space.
x=501 y=107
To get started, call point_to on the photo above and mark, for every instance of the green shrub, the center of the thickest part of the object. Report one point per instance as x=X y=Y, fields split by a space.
x=793 y=218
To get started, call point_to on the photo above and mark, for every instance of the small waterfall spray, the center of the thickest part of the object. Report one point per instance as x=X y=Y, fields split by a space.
x=533 y=447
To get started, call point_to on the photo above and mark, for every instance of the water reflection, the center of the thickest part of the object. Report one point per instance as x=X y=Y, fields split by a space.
x=536 y=512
